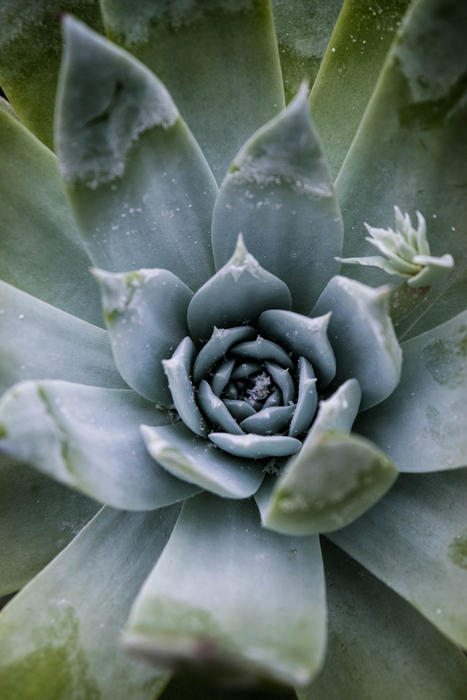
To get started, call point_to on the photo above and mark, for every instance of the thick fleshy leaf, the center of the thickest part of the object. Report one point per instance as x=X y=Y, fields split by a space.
x=423 y=425
x=303 y=336
x=218 y=344
x=331 y=482
x=284 y=381
x=237 y=294
x=30 y=48
x=138 y=183
x=215 y=409
x=379 y=646
x=421 y=525
x=88 y=438
x=269 y=421
x=145 y=312
x=349 y=71
x=303 y=29
x=261 y=349
x=307 y=401
x=38 y=341
x=38 y=518
x=240 y=576
x=59 y=637
x=362 y=337
x=178 y=371
x=40 y=250
x=198 y=462
x=218 y=59
x=253 y=446
x=278 y=194
x=411 y=150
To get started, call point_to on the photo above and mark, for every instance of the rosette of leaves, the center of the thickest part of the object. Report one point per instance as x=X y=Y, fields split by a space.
x=234 y=357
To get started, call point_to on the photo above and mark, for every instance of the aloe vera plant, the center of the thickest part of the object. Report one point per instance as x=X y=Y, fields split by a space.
x=185 y=482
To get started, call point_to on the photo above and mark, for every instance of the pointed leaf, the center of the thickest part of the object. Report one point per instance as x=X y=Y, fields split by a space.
x=178 y=371
x=278 y=194
x=269 y=421
x=30 y=47
x=330 y=483
x=215 y=410
x=254 y=446
x=349 y=71
x=240 y=576
x=411 y=150
x=422 y=524
x=423 y=425
x=307 y=401
x=38 y=341
x=237 y=294
x=362 y=337
x=145 y=312
x=217 y=54
x=379 y=646
x=303 y=28
x=338 y=412
x=217 y=346
x=38 y=518
x=88 y=438
x=40 y=249
x=138 y=183
x=198 y=462
x=59 y=637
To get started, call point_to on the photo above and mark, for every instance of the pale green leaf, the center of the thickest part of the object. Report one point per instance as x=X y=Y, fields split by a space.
x=253 y=603
x=38 y=341
x=40 y=250
x=145 y=312
x=139 y=186
x=423 y=425
x=218 y=58
x=379 y=646
x=362 y=337
x=38 y=518
x=348 y=74
x=411 y=150
x=303 y=28
x=197 y=461
x=59 y=637
x=88 y=438
x=278 y=194
x=415 y=541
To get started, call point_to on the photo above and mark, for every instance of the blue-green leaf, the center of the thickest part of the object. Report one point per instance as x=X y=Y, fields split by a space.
x=421 y=522
x=145 y=312
x=138 y=183
x=362 y=337
x=251 y=446
x=423 y=425
x=237 y=294
x=218 y=58
x=240 y=576
x=278 y=194
x=198 y=462
x=88 y=438
x=38 y=341
x=217 y=346
x=59 y=637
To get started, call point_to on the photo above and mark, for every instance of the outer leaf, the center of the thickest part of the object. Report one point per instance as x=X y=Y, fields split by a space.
x=411 y=149
x=362 y=337
x=30 y=48
x=46 y=259
x=88 y=438
x=59 y=636
x=145 y=312
x=38 y=341
x=209 y=52
x=303 y=28
x=38 y=517
x=240 y=576
x=423 y=425
x=331 y=482
x=278 y=194
x=349 y=71
x=237 y=294
x=421 y=524
x=138 y=183
x=379 y=646
x=198 y=462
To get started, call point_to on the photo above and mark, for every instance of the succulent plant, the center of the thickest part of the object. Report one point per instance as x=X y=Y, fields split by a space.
x=181 y=490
